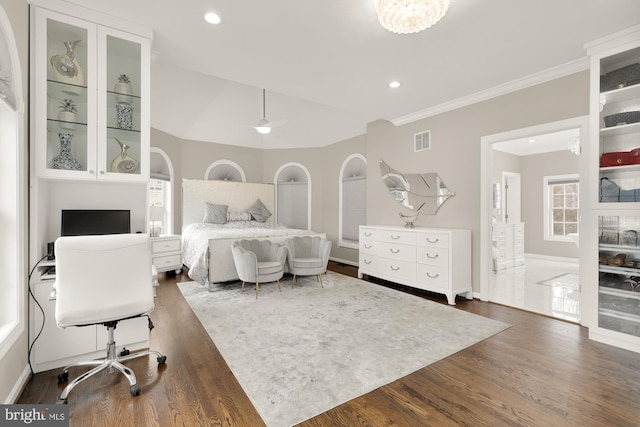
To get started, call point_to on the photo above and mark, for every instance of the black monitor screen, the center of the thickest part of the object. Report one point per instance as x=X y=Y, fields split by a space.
x=95 y=222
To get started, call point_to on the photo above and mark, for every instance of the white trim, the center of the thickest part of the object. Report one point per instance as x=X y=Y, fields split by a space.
x=306 y=171
x=486 y=189
x=341 y=242
x=15 y=329
x=503 y=89
x=225 y=162
x=19 y=386
x=551 y=258
x=344 y=261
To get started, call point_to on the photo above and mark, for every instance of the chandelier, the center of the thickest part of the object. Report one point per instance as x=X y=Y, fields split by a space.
x=410 y=16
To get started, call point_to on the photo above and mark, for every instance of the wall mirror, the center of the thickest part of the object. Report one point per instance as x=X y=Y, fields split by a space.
x=423 y=193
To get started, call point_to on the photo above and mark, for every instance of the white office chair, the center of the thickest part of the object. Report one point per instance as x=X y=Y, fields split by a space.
x=102 y=280
x=308 y=256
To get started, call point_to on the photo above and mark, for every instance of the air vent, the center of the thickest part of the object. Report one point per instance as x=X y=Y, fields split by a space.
x=422 y=141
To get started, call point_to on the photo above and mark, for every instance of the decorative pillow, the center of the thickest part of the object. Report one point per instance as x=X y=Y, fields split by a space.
x=238 y=216
x=259 y=211
x=215 y=214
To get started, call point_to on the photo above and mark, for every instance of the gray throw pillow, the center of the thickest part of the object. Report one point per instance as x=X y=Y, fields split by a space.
x=215 y=214
x=259 y=211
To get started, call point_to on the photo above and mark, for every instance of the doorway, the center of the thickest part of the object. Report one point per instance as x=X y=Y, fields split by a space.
x=527 y=286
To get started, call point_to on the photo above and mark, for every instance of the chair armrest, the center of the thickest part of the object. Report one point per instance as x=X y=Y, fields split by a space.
x=326 y=251
x=246 y=263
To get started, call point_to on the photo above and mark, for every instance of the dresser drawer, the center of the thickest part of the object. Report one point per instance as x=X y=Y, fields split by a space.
x=369 y=247
x=401 y=270
x=433 y=276
x=368 y=233
x=433 y=239
x=160 y=246
x=397 y=236
x=167 y=262
x=368 y=263
x=434 y=256
x=397 y=251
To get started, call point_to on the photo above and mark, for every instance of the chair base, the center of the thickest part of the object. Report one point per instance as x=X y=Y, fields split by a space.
x=111 y=362
x=258 y=287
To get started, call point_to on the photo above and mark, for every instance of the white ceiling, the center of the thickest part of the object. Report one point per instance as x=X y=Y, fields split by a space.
x=537 y=144
x=326 y=64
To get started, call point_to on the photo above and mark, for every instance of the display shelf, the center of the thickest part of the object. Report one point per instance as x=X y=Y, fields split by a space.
x=622 y=94
x=620 y=130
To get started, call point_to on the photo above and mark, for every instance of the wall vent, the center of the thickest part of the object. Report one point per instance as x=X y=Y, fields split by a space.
x=422 y=141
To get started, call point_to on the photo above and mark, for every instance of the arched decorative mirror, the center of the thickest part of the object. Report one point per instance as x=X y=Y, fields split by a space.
x=422 y=193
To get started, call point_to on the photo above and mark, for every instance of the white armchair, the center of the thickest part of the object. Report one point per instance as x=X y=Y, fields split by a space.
x=308 y=256
x=259 y=261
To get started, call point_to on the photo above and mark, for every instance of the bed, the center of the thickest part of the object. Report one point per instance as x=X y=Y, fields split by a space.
x=206 y=246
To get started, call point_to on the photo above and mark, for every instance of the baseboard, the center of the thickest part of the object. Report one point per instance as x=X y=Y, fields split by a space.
x=344 y=261
x=19 y=386
x=551 y=258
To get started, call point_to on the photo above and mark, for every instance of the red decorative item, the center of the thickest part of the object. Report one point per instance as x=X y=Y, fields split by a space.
x=620 y=158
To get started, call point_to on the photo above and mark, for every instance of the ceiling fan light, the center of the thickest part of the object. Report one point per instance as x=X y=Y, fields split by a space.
x=410 y=16
x=263 y=126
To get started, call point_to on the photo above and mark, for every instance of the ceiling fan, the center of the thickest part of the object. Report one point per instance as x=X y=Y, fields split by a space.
x=264 y=126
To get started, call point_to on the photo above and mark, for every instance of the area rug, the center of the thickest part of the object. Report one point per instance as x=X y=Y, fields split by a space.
x=302 y=351
x=567 y=280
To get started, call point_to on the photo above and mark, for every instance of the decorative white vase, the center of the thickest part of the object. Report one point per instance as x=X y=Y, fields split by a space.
x=67 y=119
x=66 y=67
x=123 y=91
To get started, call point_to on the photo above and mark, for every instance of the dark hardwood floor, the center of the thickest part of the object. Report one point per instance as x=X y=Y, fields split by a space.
x=539 y=372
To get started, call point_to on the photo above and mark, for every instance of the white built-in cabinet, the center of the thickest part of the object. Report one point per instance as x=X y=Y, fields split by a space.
x=508 y=245
x=612 y=306
x=85 y=82
x=433 y=259
x=77 y=63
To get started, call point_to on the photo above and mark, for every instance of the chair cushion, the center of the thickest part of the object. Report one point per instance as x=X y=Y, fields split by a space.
x=269 y=267
x=307 y=262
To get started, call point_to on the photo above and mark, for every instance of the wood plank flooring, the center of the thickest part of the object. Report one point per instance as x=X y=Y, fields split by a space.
x=539 y=372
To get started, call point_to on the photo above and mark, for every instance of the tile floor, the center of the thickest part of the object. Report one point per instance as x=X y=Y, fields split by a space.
x=520 y=287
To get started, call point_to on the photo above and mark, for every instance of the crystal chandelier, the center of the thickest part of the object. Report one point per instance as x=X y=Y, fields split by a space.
x=410 y=16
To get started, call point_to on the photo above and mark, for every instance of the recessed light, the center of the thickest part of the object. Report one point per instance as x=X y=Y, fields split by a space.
x=532 y=140
x=394 y=84
x=212 y=18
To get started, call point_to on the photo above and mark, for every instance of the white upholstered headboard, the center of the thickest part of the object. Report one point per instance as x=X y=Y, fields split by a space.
x=239 y=196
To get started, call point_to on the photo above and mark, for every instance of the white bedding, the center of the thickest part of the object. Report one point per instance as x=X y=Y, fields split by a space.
x=196 y=238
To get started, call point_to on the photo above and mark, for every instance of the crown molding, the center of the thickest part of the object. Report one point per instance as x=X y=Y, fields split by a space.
x=515 y=85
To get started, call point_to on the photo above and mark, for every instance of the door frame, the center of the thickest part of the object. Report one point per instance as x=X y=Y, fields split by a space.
x=486 y=182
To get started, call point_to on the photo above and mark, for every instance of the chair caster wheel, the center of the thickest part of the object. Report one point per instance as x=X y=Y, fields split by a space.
x=162 y=359
x=124 y=352
x=62 y=377
x=135 y=390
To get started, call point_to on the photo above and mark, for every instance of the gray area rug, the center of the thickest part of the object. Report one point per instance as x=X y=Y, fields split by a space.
x=302 y=351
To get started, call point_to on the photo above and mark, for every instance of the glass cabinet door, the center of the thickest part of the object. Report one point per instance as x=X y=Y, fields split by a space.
x=619 y=125
x=619 y=274
x=67 y=60
x=123 y=153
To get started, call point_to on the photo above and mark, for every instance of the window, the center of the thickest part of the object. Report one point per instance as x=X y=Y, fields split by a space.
x=561 y=201
x=159 y=194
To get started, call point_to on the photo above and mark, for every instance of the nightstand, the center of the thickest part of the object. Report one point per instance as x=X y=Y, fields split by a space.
x=166 y=253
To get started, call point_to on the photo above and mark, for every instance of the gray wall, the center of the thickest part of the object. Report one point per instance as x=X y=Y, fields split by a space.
x=14 y=361
x=455 y=152
x=534 y=168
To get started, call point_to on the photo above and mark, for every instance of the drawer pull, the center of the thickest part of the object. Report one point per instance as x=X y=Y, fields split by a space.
x=366 y=261
x=394 y=251
x=367 y=246
x=395 y=268
x=367 y=234
x=432 y=241
x=432 y=256
x=434 y=276
x=395 y=237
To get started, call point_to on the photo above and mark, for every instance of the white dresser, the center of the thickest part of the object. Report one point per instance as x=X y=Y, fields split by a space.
x=434 y=259
x=508 y=245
